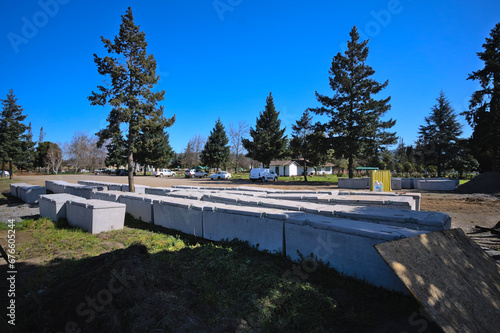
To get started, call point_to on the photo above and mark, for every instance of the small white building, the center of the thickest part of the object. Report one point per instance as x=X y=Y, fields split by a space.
x=289 y=168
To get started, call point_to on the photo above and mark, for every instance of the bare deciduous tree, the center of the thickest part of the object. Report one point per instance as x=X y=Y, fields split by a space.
x=193 y=151
x=235 y=135
x=53 y=159
x=84 y=153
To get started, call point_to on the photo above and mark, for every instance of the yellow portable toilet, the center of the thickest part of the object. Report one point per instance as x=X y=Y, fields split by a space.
x=383 y=176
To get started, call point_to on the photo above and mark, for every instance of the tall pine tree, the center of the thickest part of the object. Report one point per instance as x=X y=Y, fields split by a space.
x=484 y=108
x=27 y=161
x=133 y=75
x=355 y=127
x=269 y=140
x=309 y=143
x=216 y=151
x=12 y=132
x=438 y=138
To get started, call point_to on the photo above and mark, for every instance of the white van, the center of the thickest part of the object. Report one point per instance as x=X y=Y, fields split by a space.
x=262 y=174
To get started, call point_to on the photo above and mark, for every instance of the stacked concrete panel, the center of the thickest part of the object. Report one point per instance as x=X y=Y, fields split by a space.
x=95 y=216
x=354 y=183
x=180 y=214
x=112 y=196
x=410 y=183
x=437 y=184
x=56 y=186
x=396 y=184
x=346 y=244
x=393 y=202
x=140 y=206
x=84 y=191
x=30 y=193
x=53 y=206
x=260 y=227
x=416 y=196
x=14 y=188
x=159 y=190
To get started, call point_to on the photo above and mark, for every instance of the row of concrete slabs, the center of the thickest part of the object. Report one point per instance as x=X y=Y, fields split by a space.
x=337 y=228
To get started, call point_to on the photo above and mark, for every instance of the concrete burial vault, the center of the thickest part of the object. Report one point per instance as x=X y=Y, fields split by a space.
x=451 y=276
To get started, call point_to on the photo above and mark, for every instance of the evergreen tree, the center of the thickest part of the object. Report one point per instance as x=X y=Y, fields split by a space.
x=117 y=150
x=12 y=132
x=438 y=138
x=355 y=127
x=27 y=161
x=133 y=76
x=309 y=143
x=216 y=151
x=269 y=140
x=41 y=136
x=153 y=145
x=484 y=109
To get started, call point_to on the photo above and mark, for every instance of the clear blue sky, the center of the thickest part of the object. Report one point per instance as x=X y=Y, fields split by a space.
x=222 y=58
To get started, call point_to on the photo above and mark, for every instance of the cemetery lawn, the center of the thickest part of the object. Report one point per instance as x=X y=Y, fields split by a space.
x=175 y=282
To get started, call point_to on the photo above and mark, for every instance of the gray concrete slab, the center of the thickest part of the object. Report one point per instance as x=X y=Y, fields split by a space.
x=354 y=183
x=95 y=216
x=260 y=227
x=141 y=189
x=415 y=196
x=346 y=244
x=30 y=193
x=53 y=206
x=14 y=187
x=112 y=196
x=396 y=184
x=180 y=214
x=56 y=186
x=160 y=190
x=393 y=202
x=437 y=184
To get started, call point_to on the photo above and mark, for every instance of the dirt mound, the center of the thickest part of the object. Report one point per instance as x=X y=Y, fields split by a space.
x=488 y=182
x=116 y=292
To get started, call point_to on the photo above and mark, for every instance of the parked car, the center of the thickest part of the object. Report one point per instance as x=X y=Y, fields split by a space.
x=200 y=174
x=122 y=172
x=221 y=175
x=98 y=172
x=262 y=174
x=189 y=173
x=6 y=173
x=164 y=172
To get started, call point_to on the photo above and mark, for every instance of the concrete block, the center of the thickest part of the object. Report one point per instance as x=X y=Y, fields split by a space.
x=259 y=226
x=84 y=191
x=410 y=183
x=393 y=202
x=354 y=183
x=346 y=244
x=30 y=193
x=415 y=196
x=14 y=188
x=141 y=189
x=395 y=184
x=115 y=187
x=53 y=206
x=159 y=190
x=112 y=196
x=183 y=215
x=409 y=219
x=95 y=216
x=56 y=186
x=140 y=206
x=187 y=195
x=437 y=184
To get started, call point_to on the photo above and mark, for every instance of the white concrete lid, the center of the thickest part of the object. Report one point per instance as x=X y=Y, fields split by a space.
x=365 y=229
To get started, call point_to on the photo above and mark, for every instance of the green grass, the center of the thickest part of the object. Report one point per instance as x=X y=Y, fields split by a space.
x=231 y=279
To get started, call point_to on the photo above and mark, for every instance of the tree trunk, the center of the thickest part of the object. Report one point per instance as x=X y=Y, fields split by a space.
x=10 y=169
x=350 y=167
x=130 y=160
x=145 y=171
